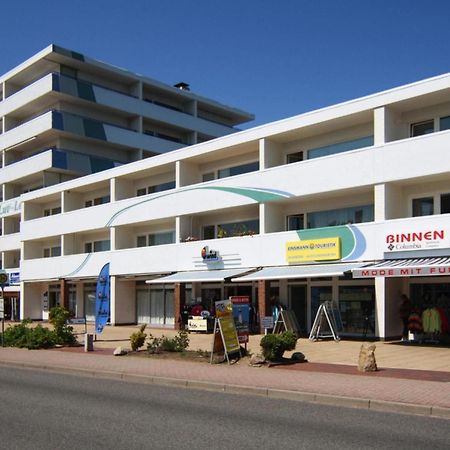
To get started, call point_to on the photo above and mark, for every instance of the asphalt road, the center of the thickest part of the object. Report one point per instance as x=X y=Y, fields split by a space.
x=42 y=410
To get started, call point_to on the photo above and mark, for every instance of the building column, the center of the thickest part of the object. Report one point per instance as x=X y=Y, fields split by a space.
x=179 y=298
x=380 y=308
x=64 y=296
x=263 y=301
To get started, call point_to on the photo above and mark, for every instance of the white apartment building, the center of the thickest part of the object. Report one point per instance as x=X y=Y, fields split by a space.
x=64 y=115
x=349 y=203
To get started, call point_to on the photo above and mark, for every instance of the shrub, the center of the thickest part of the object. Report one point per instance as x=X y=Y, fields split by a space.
x=58 y=317
x=274 y=345
x=181 y=341
x=24 y=336
x=137 y=339
x=154 y=344
x=168 y=344
x=178 y=343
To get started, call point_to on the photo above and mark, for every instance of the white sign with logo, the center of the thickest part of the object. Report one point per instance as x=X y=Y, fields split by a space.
x=408 y=239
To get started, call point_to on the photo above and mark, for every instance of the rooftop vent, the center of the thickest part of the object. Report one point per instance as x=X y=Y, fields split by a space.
x=182 y=85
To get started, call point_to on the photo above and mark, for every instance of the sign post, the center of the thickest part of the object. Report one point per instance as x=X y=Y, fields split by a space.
x=3 y=282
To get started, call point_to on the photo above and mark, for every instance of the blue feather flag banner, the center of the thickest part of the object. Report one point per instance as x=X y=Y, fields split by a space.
x=102 y=299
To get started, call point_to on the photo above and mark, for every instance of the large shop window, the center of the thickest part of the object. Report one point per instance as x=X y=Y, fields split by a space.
x=344 y=216
x=357 y=308
x=155 y=306
x=426 y=295
x=89 y=301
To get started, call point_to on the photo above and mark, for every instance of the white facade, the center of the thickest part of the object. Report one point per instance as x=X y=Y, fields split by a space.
x=370 y=177
x=64 y=115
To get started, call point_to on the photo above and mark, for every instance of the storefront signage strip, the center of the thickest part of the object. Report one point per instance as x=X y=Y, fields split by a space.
x=402 y=271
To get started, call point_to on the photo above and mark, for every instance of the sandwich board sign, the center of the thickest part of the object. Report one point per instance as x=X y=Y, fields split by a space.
x=225 y=338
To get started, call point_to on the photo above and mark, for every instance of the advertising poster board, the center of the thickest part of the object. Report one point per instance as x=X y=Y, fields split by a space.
x=225 y=335
x=241 y=314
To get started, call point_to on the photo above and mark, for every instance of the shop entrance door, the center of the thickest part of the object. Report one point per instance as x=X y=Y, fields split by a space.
x=298 y=304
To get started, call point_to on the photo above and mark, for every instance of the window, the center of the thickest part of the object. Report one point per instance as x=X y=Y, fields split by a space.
x=422 y=206
x=237 y=170
x=335 y=217
x=52 y=211
x=50 y=252
x=340 y=147
x=444 y=123
x=97 y=201
x=97 y=246
x=243 y=228
x=208 y=232
x=208 y=176
x=142 y=241
x=156 y=188
x=445 y=203
x=295 y=222
x=167 y=237
x=294 y=157
x=421 y=128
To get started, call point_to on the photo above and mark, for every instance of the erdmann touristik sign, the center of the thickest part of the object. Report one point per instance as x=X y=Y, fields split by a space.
x=427 y=239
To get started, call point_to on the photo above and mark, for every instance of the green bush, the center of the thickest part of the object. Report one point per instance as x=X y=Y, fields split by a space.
x=168 y=344
x=181 y=341
x=24 y=336
x=154 y=344
x=137 y=339
x=178 y=343
x=58 y=317
x=274 y=345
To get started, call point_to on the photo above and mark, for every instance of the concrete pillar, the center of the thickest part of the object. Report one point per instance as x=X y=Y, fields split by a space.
x=271 y=218
x=186 y=173
x=122 y=301
x=388 y=202
x=179 y=299
x=270 y=154
x=380 y=307
x=263 y=301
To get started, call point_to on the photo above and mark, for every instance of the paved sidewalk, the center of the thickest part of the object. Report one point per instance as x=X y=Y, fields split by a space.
x=323 y=382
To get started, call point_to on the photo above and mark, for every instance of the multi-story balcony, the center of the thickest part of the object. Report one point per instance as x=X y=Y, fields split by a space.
x=399 y=162
x=38 y=96
x=52 y=123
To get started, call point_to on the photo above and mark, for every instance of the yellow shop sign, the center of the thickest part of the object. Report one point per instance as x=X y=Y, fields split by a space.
x=327 y=249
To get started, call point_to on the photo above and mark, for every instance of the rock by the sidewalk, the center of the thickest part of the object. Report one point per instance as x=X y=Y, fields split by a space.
x=119 y=351
x=298 y=357
x=366 y=361
x=257 y=360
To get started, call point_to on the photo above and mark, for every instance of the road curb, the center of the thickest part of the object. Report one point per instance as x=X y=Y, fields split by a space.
x=309 y=397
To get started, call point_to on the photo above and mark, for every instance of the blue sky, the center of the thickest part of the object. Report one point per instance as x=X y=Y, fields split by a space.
x=274 y=58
